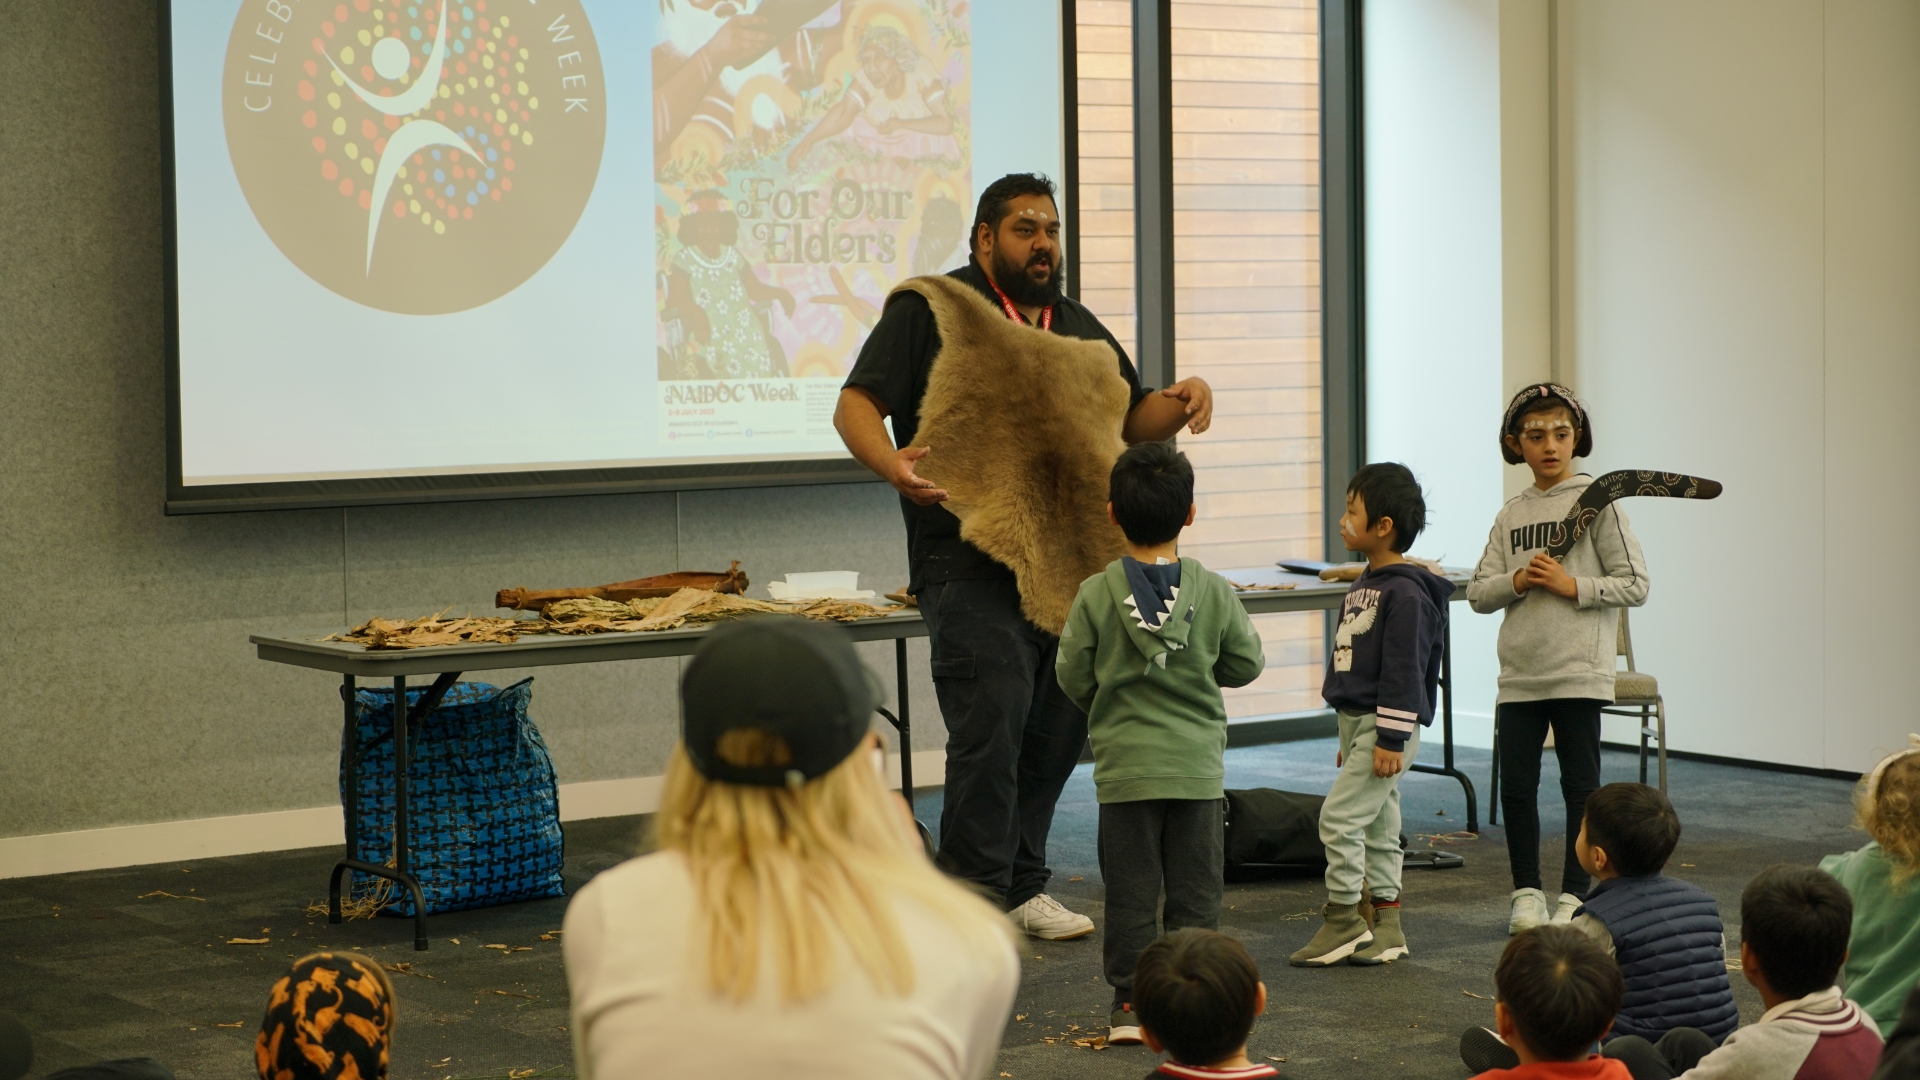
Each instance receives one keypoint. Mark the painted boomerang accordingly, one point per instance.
(1620, 485)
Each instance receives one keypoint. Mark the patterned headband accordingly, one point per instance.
(1873, 778)
(1544, 390)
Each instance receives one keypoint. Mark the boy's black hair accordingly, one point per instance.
(1635, 825)
(1196, 991)
(1389, 490)
(1798, 920)
(1151, 490)
(994, 201)
(1539, 398)
(1561, 989)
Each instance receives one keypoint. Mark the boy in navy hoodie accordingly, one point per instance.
(1381, 679)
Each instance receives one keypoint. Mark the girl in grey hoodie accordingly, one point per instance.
(1557, 643)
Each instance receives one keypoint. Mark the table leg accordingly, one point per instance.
(905, 723)
(402, 766)
(350, 798)
(1446, 728)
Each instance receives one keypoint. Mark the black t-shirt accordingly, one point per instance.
(893, 367)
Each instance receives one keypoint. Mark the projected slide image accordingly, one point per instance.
(808, 156)
(473, 240)
(397, 154)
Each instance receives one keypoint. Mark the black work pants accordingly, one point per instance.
(1677, 1051)
(1013, 736)
(1173, 845)
(1576, 742)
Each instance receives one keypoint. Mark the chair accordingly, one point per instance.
(1636, 693)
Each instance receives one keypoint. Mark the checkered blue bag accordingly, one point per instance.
(483, 806)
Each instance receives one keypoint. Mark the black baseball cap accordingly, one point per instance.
(796, 679)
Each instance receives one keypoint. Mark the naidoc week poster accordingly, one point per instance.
(808, 156)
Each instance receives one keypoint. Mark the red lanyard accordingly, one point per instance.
(1046, 313)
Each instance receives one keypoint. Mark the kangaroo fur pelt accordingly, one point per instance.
(1023, 427)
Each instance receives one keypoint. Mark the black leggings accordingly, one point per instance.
(1576, 742)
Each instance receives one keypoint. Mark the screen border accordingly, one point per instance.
(527, 484)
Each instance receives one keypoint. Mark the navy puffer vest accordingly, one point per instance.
(1669, 942)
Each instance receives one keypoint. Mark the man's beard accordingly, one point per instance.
(1018, 284)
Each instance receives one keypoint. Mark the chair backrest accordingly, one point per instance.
(1623, 640)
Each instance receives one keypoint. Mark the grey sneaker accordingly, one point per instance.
(1043, 917)
(1388, 943)
(1529, 910)
(1342, 933)
(1569, 904)
(1123, 1027)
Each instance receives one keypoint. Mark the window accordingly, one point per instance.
(1247, 280)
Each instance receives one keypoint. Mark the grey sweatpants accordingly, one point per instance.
(1360, 821)
(1145, 846)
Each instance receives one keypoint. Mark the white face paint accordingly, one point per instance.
(1552, 424)
(1037, 215)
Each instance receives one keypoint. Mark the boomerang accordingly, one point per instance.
(1621, 485)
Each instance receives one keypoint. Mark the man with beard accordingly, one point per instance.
(1013, 737)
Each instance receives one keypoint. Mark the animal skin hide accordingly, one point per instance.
(1024, 427)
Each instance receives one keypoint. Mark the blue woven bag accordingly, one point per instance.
(483, 806)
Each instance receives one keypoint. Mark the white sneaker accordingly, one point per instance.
(1043, 917)
(1529, 910)
(1569, 904)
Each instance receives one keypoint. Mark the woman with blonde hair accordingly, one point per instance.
(789, 922)
(1883, 952)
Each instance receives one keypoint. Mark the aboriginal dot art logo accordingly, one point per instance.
(420, 158)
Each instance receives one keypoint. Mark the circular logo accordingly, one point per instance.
(420, 158)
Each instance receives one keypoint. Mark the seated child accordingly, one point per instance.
(1793, 937)
(1197, 992)
(1665, 933)
(1146, 649)
(1884, 961)
(1555, 996)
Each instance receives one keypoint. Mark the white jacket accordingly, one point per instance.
(1552, 647)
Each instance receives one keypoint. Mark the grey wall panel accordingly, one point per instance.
(131, 694)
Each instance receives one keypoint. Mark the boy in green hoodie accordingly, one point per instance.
(1146, 649)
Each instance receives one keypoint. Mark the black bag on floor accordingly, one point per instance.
(1272, 833)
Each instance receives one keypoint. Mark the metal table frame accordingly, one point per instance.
(448, 662)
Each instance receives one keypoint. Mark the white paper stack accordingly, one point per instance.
(820, 585)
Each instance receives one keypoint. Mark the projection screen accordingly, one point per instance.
(496, 248)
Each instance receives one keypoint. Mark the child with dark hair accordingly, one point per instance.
(1198, 992)
(1555, 996)
(1381, 681)
(1793, 939)
(1557, 640)
(1665, 933)
(1884, 963)
(1148, 645)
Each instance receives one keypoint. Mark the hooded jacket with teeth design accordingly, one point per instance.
(1145, 652)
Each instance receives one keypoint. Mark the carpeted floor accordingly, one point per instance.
(105, 964)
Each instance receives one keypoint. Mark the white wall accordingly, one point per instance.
(1740, 302)
(1433, 279)
(1726, 202)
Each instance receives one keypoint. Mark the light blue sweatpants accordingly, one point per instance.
(1360, 821)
